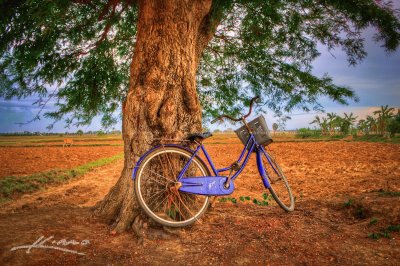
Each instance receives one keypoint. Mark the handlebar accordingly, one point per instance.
(252, 101)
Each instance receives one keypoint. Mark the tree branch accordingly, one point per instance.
(209, 25)
(106, 29)
(43, 105)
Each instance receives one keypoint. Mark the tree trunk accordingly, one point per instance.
(162, 100)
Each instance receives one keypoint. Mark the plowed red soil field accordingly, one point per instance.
(15, 161)
(344, 192)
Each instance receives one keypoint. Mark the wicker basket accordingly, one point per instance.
(260, 131)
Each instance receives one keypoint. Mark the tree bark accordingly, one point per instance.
(162, 100)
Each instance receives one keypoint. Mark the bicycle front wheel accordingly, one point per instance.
(157, 189)
(279, 186)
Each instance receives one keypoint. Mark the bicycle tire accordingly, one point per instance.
(281, 194)
(170, 216)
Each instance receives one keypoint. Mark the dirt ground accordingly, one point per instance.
(60, 143)
(16, 161)
(323, 229)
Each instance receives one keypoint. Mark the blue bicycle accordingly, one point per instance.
(173, 184)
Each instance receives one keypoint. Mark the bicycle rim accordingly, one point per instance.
(157, 192)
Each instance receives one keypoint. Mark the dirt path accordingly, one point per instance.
(82, 192)
(322, 230)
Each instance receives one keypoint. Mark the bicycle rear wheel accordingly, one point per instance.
(157, 189)
(279, 186)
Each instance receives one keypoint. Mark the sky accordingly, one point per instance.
(376, 81)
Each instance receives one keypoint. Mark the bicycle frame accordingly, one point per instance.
(251, 143)
(250, 146)
(214, 185)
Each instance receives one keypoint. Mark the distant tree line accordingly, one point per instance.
(79, 132)
(380, 122)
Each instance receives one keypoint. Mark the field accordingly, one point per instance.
(347, 208)
(57, 141)
(17, 161)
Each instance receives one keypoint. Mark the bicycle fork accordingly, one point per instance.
(261, 169)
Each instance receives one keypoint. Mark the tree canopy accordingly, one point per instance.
(79, 52)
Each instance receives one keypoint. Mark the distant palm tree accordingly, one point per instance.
(322, 124)
(347, 122)
(332, 122)
(339, 124)
(362, 126)
(384, 115)
(394, 124)
(317, 120)
(372, 124)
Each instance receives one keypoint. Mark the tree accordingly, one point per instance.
(362, 126)
(384, 115)
(317, 121)
(372, 124)
(275, 127)
(100, 133)
(333, 122)
(79, 132)
(394, 124)
(322, 124)
(146, 54)
(346, 122)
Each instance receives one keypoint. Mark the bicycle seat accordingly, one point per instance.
(199, 136)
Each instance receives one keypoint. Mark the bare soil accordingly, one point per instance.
(323, 229)
(17, 161)
(60, 143)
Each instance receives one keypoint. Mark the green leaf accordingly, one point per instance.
(54, 50)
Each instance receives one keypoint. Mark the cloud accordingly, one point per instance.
(376, 80)
(10, 117)
(26, 103)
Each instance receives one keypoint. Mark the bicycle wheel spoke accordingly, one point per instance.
(159, 204)
(179, 209)
(155, 201)
(161, 177)
(190, 199)
(167, 171)
(190, 212)
(170, 164)
(153, 196)
(162, 167)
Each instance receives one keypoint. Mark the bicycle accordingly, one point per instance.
(173, 184)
